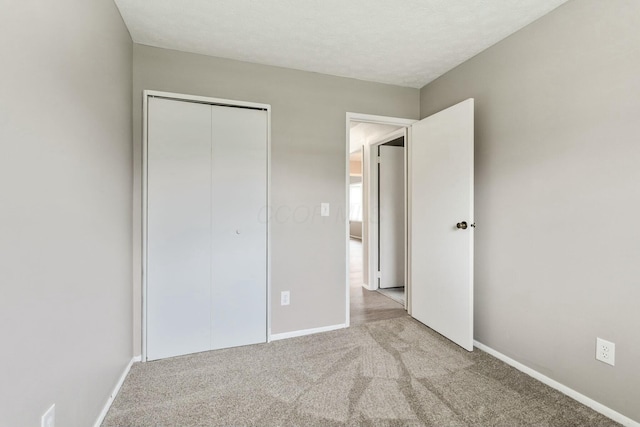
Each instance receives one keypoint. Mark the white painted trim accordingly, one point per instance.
(205, 99)
(293, 334)
(268, 224)
(587, 401)
(145, 129)
(146, 94)
(407, 290)
(347, 227)
(407, 286)
(383, 120)
(115, 391)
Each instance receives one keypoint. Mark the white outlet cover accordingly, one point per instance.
(49, 418)
(606, 351)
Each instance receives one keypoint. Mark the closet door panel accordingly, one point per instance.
(239, 247)
(178, 228)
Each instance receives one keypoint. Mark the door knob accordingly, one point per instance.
(463, 225)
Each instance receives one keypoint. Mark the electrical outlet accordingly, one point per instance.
(324, 209)
(284, 298)
(49, 417)
(605, 351)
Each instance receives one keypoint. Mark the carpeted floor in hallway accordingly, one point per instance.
(392, 372)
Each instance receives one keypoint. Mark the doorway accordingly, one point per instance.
(365, 135)
(439, 224)
(390, 216)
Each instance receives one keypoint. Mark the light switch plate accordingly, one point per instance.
(284, 298)
(324, 209)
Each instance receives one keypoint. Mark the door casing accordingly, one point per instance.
(367, 118)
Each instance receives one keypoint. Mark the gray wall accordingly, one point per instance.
(308, 166)
(355, 229)
(558, 194)
(65, 213)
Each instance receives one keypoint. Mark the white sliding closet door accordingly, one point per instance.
(206, 227)
(239, 261)
(178, 228)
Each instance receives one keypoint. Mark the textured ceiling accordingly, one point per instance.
(406, 43)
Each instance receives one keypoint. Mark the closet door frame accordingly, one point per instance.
(146, 95)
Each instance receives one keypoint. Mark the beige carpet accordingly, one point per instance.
(393, 372)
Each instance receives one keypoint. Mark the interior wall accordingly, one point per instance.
(355, 167)
(355, 176)
(557, 194)
(355, 229)
(65, 221)
(308, 167)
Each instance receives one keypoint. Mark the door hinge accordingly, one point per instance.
(379, 275)
(379, 160)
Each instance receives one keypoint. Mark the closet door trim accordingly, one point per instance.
(146, 95)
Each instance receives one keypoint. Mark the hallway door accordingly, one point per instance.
(391, 216)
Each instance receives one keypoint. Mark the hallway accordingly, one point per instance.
(367, 306)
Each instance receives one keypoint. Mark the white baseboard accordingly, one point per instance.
(115, 391)
(303, 332)
(587, 401)
(366, 286)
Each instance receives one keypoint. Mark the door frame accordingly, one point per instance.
(367, 118)
(146, 94)
(372, 188)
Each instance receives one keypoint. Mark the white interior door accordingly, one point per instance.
(441, 153)
(178, 295)
(239, 245)
(391, 216)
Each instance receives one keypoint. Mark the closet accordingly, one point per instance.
(205, 232)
